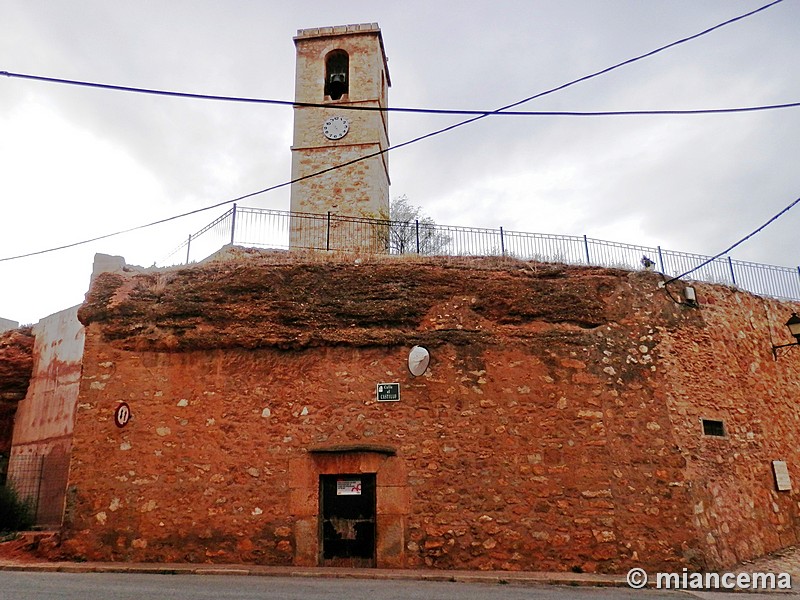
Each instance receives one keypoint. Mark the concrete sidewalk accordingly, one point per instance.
(784, 561)
(496, 577)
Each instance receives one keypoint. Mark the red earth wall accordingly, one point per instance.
(557, 427)
(16, 364)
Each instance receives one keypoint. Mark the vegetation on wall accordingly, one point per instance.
(16, 514)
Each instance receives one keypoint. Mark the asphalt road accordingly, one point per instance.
(115, 586)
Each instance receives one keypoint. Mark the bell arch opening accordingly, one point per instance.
(337, 74)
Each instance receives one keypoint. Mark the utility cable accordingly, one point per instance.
(416, 139)
(481, 114)
(397, 109)
(739, 243)
(120, 232)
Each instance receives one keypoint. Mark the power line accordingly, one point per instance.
(416, 139)
(739, 243)
(116, 233)
(398, 109)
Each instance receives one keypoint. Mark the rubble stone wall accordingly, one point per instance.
(557, 426)
(16, 365)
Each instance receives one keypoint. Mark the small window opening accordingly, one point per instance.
(713, 427)
(337, 76)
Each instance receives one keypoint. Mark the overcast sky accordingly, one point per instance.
(76, 163)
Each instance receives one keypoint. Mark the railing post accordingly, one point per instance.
(730, 266)
(416, 226)
(233, 223)
(188, 248)
(586, 248)
(502, 243)
(328, 233)
(661, 261)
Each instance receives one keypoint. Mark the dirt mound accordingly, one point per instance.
(254, 300)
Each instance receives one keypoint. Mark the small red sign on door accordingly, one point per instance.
(348, 487)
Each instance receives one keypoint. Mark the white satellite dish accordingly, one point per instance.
(418, 360)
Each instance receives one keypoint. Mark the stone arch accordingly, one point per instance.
(337, 74)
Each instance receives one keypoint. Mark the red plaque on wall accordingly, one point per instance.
(122, 414)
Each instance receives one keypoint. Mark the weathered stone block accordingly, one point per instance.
(393, 500)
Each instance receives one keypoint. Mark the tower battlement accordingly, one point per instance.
(337, 30)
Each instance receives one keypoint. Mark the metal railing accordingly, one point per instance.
(268, 228)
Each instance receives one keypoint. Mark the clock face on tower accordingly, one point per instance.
(336, 128)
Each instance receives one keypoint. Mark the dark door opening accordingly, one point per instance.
(347, 511)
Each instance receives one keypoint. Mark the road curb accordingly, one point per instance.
(491, 577)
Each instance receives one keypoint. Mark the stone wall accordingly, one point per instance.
(45, 417)
(556, 428)
(16, 364)
(7, 324)
(43, 423)
(724, 370)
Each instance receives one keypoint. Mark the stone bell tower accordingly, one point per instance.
(339, 67)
